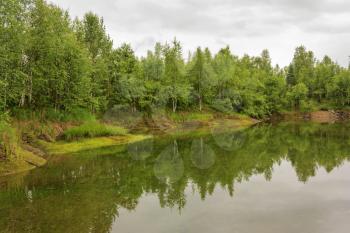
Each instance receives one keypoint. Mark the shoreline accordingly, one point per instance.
(29, 161)
(38, 153)
(321, 116)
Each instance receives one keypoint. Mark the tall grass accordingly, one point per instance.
(8, 141)
(92, 129)
(190, 116)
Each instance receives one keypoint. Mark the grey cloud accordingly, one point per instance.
(147, 42)
(142, 22)
(232, 18)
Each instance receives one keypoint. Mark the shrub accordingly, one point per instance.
(78, 115)
(122, 114)
(92, 129)
(50, 114)
(222, 105)
(308, 106)
(23, 114)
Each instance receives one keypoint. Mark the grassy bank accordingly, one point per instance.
(94, 135)
(67, 135)
(169, 123)
(24, 161)
(13, 157)
(92, 129)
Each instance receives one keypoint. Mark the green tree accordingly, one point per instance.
(297, 95)
(224, 67)
(176, 87)
(275, 91)
(202, 76)
(58, 65)
(123, 65)
(132, 89)
(14, 81)
(152, 75)
(339, 88)
(92, 32)
(324, 72)
(303, 68)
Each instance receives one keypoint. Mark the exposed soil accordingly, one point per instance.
(318, 116)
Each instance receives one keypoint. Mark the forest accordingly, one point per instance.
(50, 62)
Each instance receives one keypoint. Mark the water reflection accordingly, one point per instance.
(203, 157)
(141, 150)
(169, 166)
(85, 193)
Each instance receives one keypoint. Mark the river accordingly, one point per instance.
(270, 178)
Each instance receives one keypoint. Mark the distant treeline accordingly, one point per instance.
(49, 61)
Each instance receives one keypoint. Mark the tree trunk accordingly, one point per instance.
(200, 103)
(174, 105)
(5, 94)
(21, 102)
(30, 89)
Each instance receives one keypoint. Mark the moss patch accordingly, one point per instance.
(62, 147)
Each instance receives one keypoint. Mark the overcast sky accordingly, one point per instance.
(247, 26)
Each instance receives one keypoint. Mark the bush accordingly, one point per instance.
(50, 114)
(222, 105)
(308, 106)
(92, 129)
(23, 114)
(78, 115)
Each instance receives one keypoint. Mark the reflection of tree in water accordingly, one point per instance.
(141, 150)
(203, 157)
(86, 192)
(169, 166)
(228, 141)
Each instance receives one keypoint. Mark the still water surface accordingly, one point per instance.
(265, 179)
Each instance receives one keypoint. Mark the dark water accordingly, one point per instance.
(273, 179)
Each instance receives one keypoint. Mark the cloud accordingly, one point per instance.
(247, 25)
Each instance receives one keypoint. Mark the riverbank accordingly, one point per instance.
(26, 161)
(38, 141)
(182, 123)
(329, 116)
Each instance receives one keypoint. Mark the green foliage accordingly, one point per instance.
(92, 129)
(51, 66)
(309, 106)
(176, 88)
(50, 114)
(8, 140)
(222, 105)
(202, 77)
(92, 33)
(297, 95)
(339, 89)
(78, 115)
(304, 67)
(14, 38)
(193, 116)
